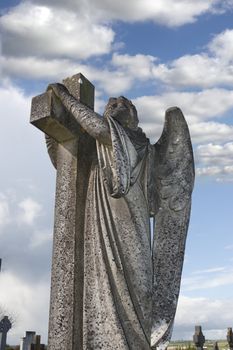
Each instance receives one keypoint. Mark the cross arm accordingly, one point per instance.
(49, 115)
(91, 122)
(61, 116)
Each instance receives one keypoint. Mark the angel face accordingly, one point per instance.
(122, 110)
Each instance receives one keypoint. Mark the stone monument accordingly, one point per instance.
(26, 341)
(31, 341)
(5, 326)
(111, 288)
(198, 338)
(230, 338)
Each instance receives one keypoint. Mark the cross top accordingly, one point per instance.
(5, 325)
(81, 88)
(198, 338)
(52, 118)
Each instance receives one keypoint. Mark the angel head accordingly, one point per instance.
(122, 110)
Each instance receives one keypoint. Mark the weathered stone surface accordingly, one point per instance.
(52, 118)
(62, 282)
(82, 89)
(72, 174)
(173, 181)
(110, 289)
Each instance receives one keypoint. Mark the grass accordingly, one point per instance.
(188, 345)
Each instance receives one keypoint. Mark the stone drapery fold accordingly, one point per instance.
(117, 254)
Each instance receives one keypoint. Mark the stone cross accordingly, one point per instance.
(5, 326)
(73, 161)
(198, 338)
(230, 338)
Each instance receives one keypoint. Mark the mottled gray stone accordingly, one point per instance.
(53, 119)
(63, 143)
(81, 89)
(110, 288)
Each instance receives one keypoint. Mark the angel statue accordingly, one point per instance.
(132, 269)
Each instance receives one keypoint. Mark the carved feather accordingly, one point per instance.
(52, 146)
(174, 179)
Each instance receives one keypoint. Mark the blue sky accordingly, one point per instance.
(159, 54)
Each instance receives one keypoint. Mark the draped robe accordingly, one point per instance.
(117, 293)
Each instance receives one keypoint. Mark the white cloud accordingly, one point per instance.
(30, 29)
(211, 132)
(204, 70)
(9, 93)
(210, 270)
(165, 12)
(213, 314)
(26, 211)
(216, 159)
(200, 70)
(44, 41)
(39, 238)
(39, 68)
(199, 282)
(23, 146)
(199, 109)
(113, 82)
(210, 68)
(17, 133)
(4, 210)
(222, 46)
(216, 154)
(215, 170)
(26, 303)
(209, 171)
(29, 211)
(138, 66)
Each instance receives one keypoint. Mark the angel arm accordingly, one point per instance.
(173, 161)
(90, 121)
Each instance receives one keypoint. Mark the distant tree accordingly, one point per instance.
(4, 312)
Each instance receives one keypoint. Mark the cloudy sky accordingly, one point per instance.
(159, 53)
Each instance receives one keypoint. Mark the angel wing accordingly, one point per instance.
(52, 147)
(173, 182)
